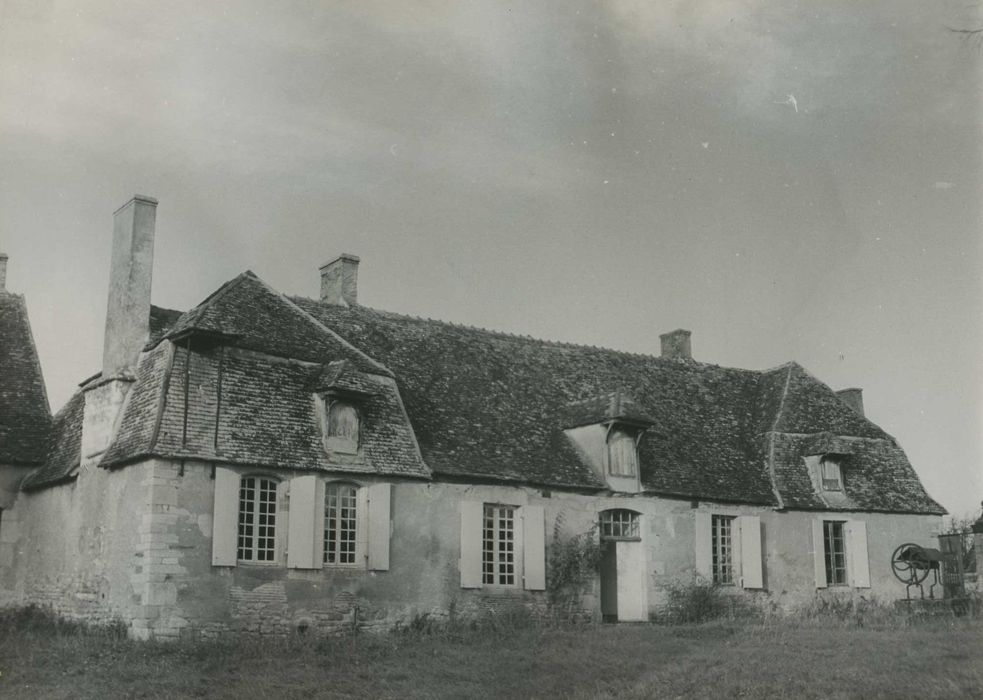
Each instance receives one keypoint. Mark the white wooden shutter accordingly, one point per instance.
(704, 544)
(362, 526)
(304, 523)
(751, 569)
(379, 529)
(470, 562)
(819, 553)
(856, 542)
(225, 517)
(534, 548)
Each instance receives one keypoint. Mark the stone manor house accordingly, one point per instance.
(268, 463)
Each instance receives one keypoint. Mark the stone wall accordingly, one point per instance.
(74, 547)
(135, 544)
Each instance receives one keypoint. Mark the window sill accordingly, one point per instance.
(500, 587)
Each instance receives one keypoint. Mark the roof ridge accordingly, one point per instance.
(781, 403)
(194, 314)
(518, 336)
(293, 305)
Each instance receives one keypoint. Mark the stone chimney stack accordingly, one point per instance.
(339, 281)
(854, 398)
(130, 273)
(676, 346)
(3, 272)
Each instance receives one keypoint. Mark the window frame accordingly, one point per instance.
(831, 484)
(836, 557)
(722, 551)
(491, 556)
(273, 550)
(618, 521)
(355, 521)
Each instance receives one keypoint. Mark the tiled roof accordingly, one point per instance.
(613, 406)
(25, 417)
(161, 322)
(876, 476)
(249, 397)
(488, 404)
(64, 455)
(261, 319)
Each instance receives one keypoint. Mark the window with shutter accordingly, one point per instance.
(257, 520)
(340, 523)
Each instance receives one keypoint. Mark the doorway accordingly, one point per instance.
(624, 593)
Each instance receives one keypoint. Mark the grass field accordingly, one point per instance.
(936, 658)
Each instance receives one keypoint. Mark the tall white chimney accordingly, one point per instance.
(131, 270)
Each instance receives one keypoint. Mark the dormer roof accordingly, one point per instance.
(612, 407)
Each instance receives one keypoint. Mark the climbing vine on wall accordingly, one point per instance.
(572, 564)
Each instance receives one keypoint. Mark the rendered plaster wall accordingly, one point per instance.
(423, 579)
(10, 478)
(74, 547)
(136, 544)
(185, 592)
(789, 569)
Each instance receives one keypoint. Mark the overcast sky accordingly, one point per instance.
(786, 180)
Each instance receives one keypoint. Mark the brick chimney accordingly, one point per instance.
(339, 281)
(3, 272)
(675, 345)
(853, 397)
(130, 272)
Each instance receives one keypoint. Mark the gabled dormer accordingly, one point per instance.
(827, 459)
(340, 392)
(606, 431)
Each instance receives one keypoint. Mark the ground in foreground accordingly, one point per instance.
(812, 659)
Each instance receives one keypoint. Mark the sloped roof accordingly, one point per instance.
(25, 417)
(264, 320)
(613, 406)
(876, 476)
(488, 404)
(484, 406)
(342, 377)
(65, 453)
(250, 396)
(161, 322)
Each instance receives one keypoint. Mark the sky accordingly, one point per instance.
(789, 181)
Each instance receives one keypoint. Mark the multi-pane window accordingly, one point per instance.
(498, 545)
(722, 527)
(340, 509)
(835, 550)
(619, 524)
(831, 476)
(257, 519)
(622, 453)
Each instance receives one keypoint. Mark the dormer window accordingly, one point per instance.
(622, 452)
(832, 477)
(341, 431)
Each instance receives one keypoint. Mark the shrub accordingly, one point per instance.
(698, 600)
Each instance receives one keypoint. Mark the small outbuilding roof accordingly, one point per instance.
(25, 417)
